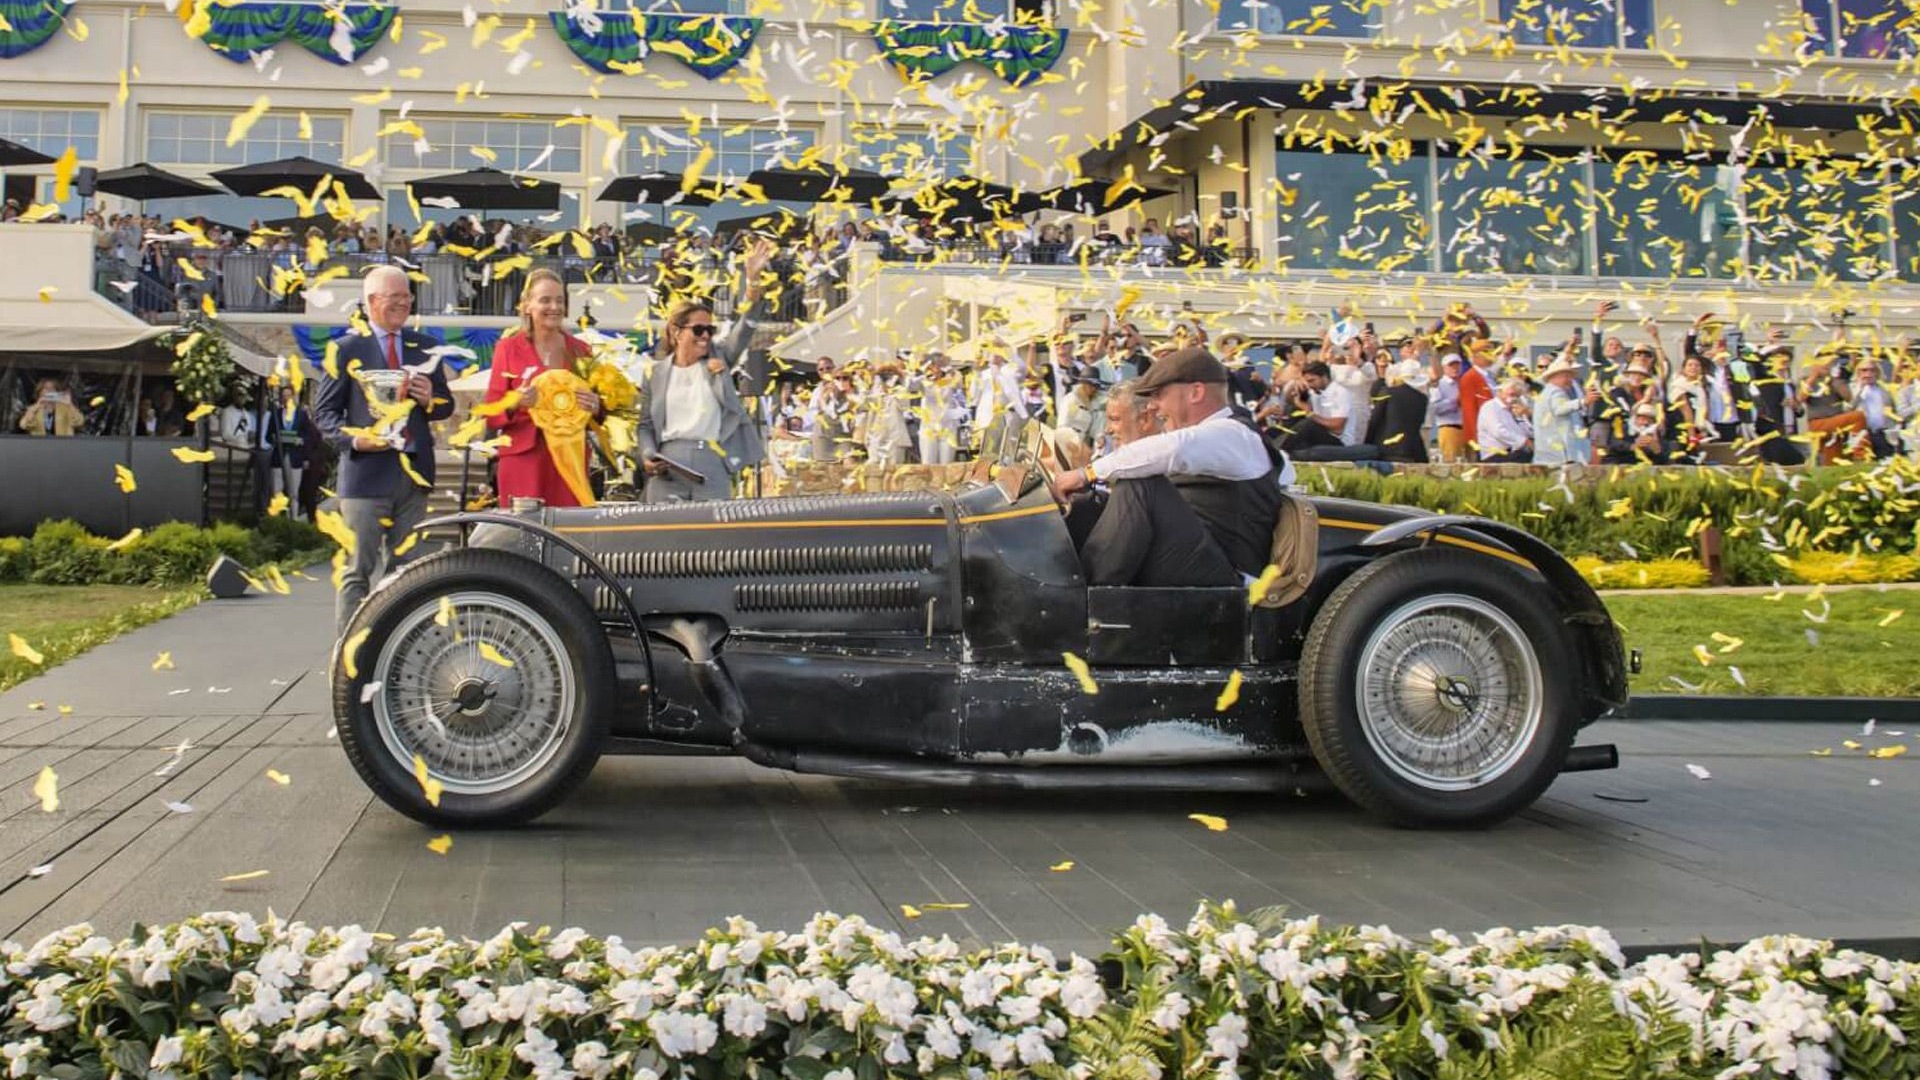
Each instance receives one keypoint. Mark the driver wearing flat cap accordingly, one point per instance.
(1215, 464)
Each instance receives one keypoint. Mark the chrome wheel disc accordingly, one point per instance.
(477, 686)
(1449, 692)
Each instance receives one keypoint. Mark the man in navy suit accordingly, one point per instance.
(380, 501)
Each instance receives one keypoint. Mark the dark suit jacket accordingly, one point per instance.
(341, 403)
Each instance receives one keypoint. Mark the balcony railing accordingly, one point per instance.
(1093, 254)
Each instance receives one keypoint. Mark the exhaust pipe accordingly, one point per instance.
(1591, 758)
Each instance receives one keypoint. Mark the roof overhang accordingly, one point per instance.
(1209, 100)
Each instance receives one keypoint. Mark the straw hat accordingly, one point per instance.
(1561, 366)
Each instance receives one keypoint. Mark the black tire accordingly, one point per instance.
(555, 698)
(1510, 671)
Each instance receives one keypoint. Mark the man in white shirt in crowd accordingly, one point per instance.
(1506, 427)
(996, 397)
(1219, 465)
(1331, 402)
(1875, 403)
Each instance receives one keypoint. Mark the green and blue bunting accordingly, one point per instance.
(30, 24)
(616, 42)
(927, 50)
(238, 30)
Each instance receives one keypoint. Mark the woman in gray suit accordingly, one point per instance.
(690, 412)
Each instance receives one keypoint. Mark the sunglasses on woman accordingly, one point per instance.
(700, 329)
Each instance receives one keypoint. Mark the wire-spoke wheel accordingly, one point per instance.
(1449, 692)
(1438, 687)
(487, 673)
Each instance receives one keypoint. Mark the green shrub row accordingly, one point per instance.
(1638, 514)
(64, 553)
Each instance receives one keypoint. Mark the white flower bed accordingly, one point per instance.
(1227, 996)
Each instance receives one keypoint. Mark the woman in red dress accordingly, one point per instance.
(525, 468)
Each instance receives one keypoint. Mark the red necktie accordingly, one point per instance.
(393, 353)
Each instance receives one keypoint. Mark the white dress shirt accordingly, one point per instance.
(1219, 446)
(692, 412)
(1336, 403)
(1500, 431)
(998, 389)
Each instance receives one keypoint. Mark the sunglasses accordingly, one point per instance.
(699, 329)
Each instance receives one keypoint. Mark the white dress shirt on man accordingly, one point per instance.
(1219, 446)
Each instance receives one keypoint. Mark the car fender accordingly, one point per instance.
(1603, 656)
(632, 614)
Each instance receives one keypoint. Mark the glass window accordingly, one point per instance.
(921, 155)
(1665, 218)
(1353, 210)
(193, 138)
(1504, 216)
(517, 145)
(1865, 29)
(737, 151)
(51, 131)
(952, 11)
(1590, 24)
(1827, 219)
(1305, 18)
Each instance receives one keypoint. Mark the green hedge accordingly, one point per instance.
(1227, 997)
(1640, 513)
(64, 553)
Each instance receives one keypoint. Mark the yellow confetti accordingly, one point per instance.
(1851, 744)
(1825, 751)
(1889, 751)
(909, 911)
(277, 505)
(1061, 867)
(46, 292)
(444, 618)
(946, 907)
(1081, 672)
(63, 169)
(350, 651)
(1891, 616)
(1213, 824)
(163, 662)
(279, 777)
(47, 789)
(1229, 695)
(690, 179)
(123, 476)
(36, 706)
(25, 651)
(200, 412)
(439, 845)
(66, 710)
(1728, 642)
(429, 786)
(492, 655)
(251, 875)
(244, 122)
(128, 540)
(189, 456)
(1258, 590)
(1701, 654)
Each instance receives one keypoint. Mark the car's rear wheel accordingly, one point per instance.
(1437, 689)
(479, 695)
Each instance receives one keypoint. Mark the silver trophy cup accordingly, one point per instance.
(385, 389)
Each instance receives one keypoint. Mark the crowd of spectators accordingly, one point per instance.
(1447, 391)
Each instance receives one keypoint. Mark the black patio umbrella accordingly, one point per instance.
(778, 221)
(300, 172)
(490, 189)
(966, 199)
(812, 185)
(1094, 197)
(655, 188)
(650, 232)
(144, 183)
(298, 226)
(12, 153)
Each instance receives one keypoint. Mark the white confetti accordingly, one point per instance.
(180, 807)
(41, 871)
(1737, 677)
(219, 689)
(1813, 637)
(182, 690)
(368, 691)
(1873, 783)
(333, 732)
(1866, 729)
(1699, 771)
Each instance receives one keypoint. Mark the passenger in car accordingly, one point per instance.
(1220, 466)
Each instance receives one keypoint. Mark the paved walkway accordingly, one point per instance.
(658, 849)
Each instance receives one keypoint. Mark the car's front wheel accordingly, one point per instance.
(1437, 689)
(473, 690)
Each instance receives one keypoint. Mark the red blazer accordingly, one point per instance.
(515, 363)
(1474, 392)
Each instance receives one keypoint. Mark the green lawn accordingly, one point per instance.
(63, 621)
(1850, 654)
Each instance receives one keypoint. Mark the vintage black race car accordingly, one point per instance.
(1436, 669)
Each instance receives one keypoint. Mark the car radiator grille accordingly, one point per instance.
(749, 562)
